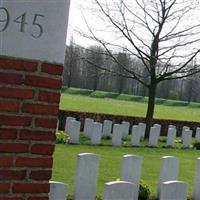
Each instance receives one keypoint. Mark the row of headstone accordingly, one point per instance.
(96, 131)
(128, 187)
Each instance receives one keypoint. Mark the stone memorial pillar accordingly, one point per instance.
(32, 52)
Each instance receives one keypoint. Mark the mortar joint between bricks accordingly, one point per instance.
(40, 129)
(50, 90)
(8, 141)
(16, 86)
(36, 102)
(18, 72)
(18, 132)
(20, 107)
(15, 127)
(32, 142)
(39, 67)
(9, 99)
(28, 172)
(30, 146)
(33, 126)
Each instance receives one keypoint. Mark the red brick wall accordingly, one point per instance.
(29, 103)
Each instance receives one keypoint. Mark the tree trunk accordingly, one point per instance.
(95, 85)
(69, 80)
(181, 91)
(121, 85)
(150, 109)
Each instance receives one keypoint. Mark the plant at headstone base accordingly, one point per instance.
(108, 138)
(144, 191)
(118, 179)
(61, 137)
(163, 140)
(189, 198)
(178, 141)
(196, 145)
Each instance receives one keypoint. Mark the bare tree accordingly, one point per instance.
(95, 55)
(163, 34)
(123, 58)
(70, 64)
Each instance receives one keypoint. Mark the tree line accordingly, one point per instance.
(84, 68)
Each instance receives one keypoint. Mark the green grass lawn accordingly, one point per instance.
(129, 108)
(65, 158)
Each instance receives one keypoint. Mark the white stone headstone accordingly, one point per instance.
(136, 136)
(142, 127)
(197, 135)
(37, 28)
(158, 129)
(125, 129)
(88, 127)
(119, 190)
(117, 135)
(131, 171)
(185, 128)
(96, 135)
(171, 137)
(173, 190)
(169, 170)
(86, 176)
(58, 191)
(107, 128)
(187, 138)
(171, 126)
(74, 131)
(196, 191)
(153, 137)
(67, 121)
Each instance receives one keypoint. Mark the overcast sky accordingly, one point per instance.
(77, 22)
(78, 9)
